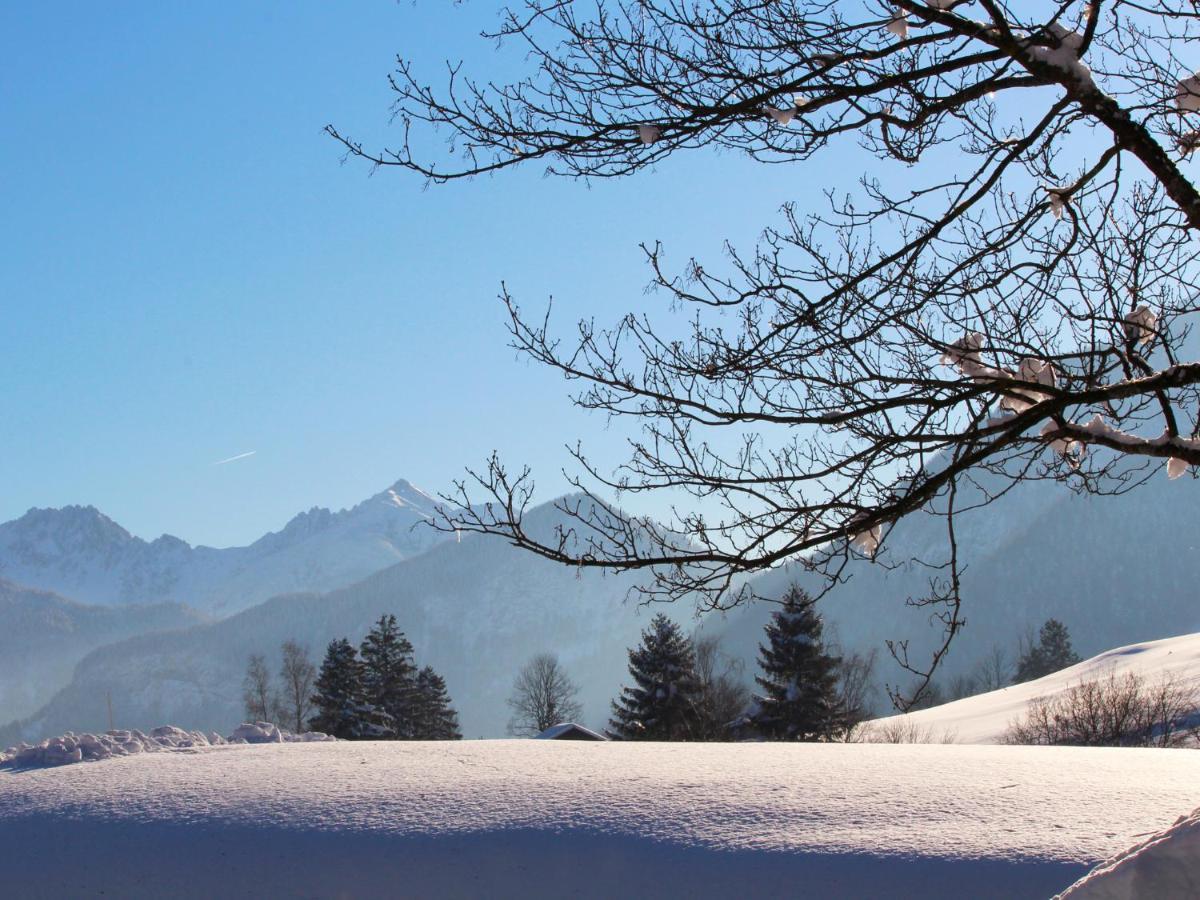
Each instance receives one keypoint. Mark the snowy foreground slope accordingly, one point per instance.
(984, 718)
(532, 818)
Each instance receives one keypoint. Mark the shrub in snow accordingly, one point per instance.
(662, 702)
(1116, 711)
(902, 730)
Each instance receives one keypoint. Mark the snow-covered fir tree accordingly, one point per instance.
(389, 676)
(434, 719)
(799, 680)
(338, 698)
(1052, 653)
(662, 702)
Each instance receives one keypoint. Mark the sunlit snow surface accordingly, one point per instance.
(1166, 864)
(540, 818)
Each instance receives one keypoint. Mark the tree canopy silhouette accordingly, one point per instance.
(1008, 288)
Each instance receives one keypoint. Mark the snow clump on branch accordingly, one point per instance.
(1140, 325)
(648, 134)
(1187, 94)
(1065, 55)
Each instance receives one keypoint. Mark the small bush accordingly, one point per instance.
(1113, 711)
(901, 730)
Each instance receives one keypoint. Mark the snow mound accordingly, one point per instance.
(73, 748)
(985, 718)
(1165, 865)
(268, 733)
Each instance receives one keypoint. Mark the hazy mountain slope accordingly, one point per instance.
(1116, 570)
(475, 610)
(80, 552)
(43, 636)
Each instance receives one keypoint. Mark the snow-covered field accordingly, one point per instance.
(985, 718)
(541, 818)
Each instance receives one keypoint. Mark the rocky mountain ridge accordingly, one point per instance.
(81, 553)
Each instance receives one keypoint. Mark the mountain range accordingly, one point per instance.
(80, 553)
(475, 610)
(1116, 570)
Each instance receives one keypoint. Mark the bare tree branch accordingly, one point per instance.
(1008, 291)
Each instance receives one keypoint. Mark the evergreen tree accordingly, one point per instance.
(799, 701)
(389, 677)
(663, 702)
(1052, 653)
(338, 698)
(434, 719)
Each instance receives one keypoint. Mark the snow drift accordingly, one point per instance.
(590, 819)
(1164, 865)
(985, 718)
(72, 748)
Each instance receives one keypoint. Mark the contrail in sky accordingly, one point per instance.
(221, 462)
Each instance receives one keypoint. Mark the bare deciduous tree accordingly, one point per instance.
(856, 685)
(994, 671)
(724, 696)
(261, 701)
(543, 695)
(991, 673)
(297, 673)
(1006, 291)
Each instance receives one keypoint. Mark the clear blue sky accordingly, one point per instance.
(188, 271)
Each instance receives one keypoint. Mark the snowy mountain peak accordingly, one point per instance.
(47, 537)
(80, 552)
(405, 494)
(299, 527)
(76, 523)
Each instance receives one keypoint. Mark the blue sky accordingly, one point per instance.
(189, 272)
